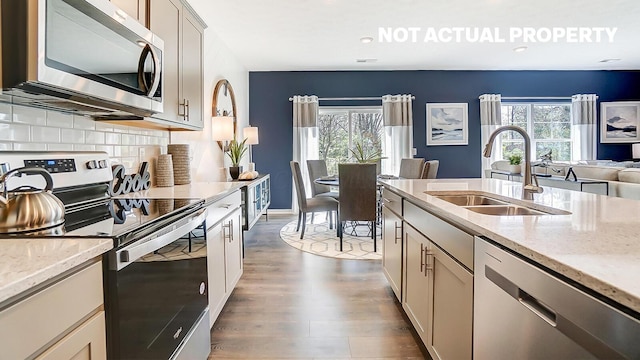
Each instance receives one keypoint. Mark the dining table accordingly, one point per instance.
(334, 180)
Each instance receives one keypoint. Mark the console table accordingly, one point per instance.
(256, 198)
(586, 185)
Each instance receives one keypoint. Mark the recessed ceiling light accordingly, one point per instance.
(520, 49)
(609, 60)
(366, 60)
(366, 39)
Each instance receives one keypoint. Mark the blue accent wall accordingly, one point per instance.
(271, 110)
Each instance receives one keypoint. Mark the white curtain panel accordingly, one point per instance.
(490, 120)
(584, 119)
(397, 142)
(305, 137)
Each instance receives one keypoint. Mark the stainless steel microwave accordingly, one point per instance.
(81, 56)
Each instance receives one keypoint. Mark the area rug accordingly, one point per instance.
(320, 240)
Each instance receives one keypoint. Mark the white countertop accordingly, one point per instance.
(597, 245)
(28, 262)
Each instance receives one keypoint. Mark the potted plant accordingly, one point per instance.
(367, 156)
(514, 163)
(236, 152)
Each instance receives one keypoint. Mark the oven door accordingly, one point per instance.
(157, 291)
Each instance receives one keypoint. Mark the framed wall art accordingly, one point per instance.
(619, 122)
(447, 124)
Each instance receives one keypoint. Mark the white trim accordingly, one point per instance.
(280, 211)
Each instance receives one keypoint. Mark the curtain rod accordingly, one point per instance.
(352, 98)
(536, 98)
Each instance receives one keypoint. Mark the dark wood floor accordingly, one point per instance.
(294, 305)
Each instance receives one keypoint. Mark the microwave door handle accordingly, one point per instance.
(157, 71)
(142, 80)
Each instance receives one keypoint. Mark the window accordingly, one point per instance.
(548, 126)
(339, 129)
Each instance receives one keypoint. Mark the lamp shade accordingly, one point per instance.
(222, 128)
(251, 134)
(635, 151)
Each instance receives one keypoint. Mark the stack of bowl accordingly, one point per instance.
(181, 155)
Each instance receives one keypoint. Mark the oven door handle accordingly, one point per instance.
(158, 240)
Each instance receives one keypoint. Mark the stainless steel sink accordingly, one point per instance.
(470, 200)
(505, 210)
(486, 204)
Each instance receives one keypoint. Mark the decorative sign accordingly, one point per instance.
(124, 184)
(120, 207)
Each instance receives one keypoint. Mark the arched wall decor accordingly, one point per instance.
(225, 85)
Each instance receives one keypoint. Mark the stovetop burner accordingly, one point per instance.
(120, 219)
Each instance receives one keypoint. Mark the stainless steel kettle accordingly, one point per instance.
(26, 208)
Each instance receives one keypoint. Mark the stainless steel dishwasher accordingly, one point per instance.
(524, 312)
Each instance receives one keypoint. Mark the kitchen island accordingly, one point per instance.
(596, 245)
(553, 277)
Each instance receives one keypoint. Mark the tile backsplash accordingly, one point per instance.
(26, 128)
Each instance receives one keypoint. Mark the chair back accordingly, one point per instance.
(430, 170)
(357, 192)
(299, 185)
(317, 169)
(411, 168)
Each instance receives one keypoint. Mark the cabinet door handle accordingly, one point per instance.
(429, 264)
(187, 110)
(421, 257)
(396, 232)
(231, 229)
(184, 109)
(224, 234)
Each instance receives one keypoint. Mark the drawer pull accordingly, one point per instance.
(421, 257)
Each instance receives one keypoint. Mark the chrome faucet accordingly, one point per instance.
(528, 187)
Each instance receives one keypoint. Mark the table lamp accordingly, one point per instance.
(222, 130)
(251, 134)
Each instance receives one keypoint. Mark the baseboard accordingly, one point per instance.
(280, 211)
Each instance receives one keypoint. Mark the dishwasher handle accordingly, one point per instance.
(574, 332)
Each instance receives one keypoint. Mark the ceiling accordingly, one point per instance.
(292, 35)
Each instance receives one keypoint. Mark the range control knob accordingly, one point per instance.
(102, 164)
(92, 164)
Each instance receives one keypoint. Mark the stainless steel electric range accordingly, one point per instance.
(155, 277)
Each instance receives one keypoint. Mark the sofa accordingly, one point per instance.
(623, 178)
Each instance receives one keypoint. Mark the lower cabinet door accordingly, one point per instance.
(392, 250)
(216, 270)
(233, 248)
(450, 304)
(415, 285)
(87, 342)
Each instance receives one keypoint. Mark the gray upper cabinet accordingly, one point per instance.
(137, 9)
(182, 31)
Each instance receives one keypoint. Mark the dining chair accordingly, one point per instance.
(318, 169)
(357, 196)
(315, 204)
(430, 170)
(411, 168)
